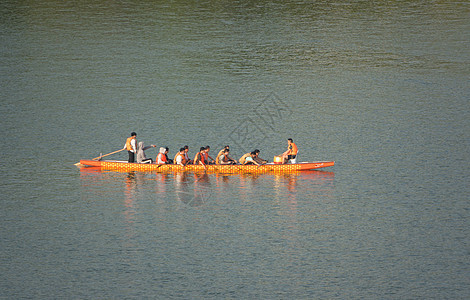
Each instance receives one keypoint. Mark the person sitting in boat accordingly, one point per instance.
(131, 146)
(250, 160)
(225, 159)
(207, 156)
(141, 158)
(291, 152)
(188, 161)
(221, 152)
(199, 157)
(180, 158)
(161, 157)
(169, 161)
(258, 159)
(243, 158)
(178, 153)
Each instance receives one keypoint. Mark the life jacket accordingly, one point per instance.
(292, 149)
(206, 157)
(199, 158)
(243, 158)
(162, 157)
(128, 143)
(174, 158)
(183, 158)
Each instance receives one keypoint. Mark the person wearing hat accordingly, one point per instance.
(162, 157)
(141, 158)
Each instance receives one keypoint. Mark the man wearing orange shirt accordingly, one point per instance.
(291, 152)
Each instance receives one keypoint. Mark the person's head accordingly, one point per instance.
(182, 150)
(253, 154)
(162, 150)
(186, 148)
(208, 148)
(256, 152)
(226, 151)
(133, 134)
(202, 149)
(140, 146)
(167, 149)
(227, 147)
(290, 141)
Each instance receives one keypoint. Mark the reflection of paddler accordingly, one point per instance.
(181, 177)
(201, 178)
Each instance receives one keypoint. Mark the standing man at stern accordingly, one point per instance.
(130, 146)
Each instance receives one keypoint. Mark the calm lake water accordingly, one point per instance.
(381, 87)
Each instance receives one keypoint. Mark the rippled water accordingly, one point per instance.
(380, 87)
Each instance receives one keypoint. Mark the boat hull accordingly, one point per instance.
(125, 166)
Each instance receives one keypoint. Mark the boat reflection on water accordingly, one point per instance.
(196, 188)
(295, 197)
(192, 189)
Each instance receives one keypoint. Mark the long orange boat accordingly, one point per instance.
(116, 165)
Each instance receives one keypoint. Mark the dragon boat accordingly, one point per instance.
(115, 165)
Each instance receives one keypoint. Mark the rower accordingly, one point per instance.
(207, 156)
(226, 160)
(180, 158)
(186, 156)
(168, 161)
(161, 157)
(199, 157)
(258, 159)
(221, 152)
(243, 158)
(250, 160)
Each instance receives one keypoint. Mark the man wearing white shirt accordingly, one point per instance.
(130, 145)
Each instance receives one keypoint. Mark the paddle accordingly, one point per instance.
(101, 156)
